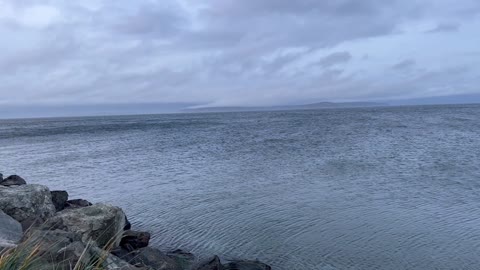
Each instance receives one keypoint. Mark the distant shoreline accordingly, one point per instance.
(183, 112)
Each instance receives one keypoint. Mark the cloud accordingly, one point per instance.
(228, 52)
(405, 64)
(334, 59)
(34, 16)
(445, 27)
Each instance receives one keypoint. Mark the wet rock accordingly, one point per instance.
(246, 265)
(26, 202)
(59, 199)
(13, 180)
(212, 264)
(128, 225)
(183, 259)
(101, 223)
(132, 240)
(77, 203)
(10, 231)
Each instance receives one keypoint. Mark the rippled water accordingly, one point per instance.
(377, 188)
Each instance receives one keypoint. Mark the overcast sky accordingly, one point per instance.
(236, 52)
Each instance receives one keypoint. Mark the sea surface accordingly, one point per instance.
(372, 188)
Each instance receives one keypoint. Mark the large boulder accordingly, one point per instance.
(26, 202)
(10, 231)
(246, 265)
(59, 199)
(13, 180)
(101, 223)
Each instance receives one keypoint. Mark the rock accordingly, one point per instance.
(212, 264)
(10, 231)
(72, 255)
(57, 249)
(121, 253)
(13, 180)
(246, 265)
(132, 240)
(150, 258)
(26, 202)
(59, 199)
(77, 203)
(50, 241)
(128, 225)
(101, 223)
(184, 259)
(1, 177)
(31, 222)
(112, 262)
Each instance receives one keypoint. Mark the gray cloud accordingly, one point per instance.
(445, 27)
(405, 64)
(335, 58)
(227, 52)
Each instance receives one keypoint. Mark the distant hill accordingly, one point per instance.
(312, 106)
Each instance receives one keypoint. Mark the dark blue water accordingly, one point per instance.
(376, 188)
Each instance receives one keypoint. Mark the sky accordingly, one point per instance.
(236, 52)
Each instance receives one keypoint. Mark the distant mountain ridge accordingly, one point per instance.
(312, 106)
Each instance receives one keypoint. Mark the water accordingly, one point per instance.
(376, 188)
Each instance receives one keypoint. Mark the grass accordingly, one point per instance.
(35, 253)
(26, 257)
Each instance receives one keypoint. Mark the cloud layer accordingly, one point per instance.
(229, 52)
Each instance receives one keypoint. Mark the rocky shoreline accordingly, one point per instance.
(68, 231)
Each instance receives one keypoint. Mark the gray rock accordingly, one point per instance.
(212, 264)
(101, 223)
(13, 180)
(77, 203)
(10, 231)
(31, 222)
(71, 255)
(132, 240)
(1, 177)
(184, 259)
(150, 258)
(49, 242)
(56, 249)
(246, 265)
(26, 202)
(59, 199)
(112, 262)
